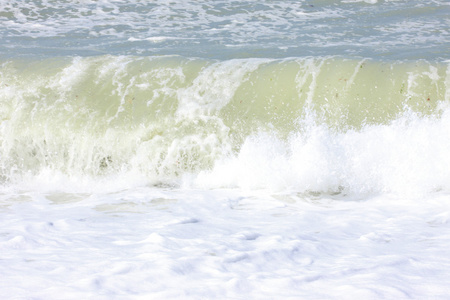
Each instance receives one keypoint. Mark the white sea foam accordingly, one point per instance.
(408, 156)
(215, 86)
(200, 27)
(247, 123)
(170, 243)
(302, 154)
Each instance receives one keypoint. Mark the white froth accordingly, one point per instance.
(131, 170)
(198, 27)
(214, 87)
(408, 156)
(191, 244)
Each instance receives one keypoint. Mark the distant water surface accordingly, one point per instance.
(227, 29)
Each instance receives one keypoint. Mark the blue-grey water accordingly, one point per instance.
(194, 149)
(227, 29)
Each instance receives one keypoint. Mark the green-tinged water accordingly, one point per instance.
(166, 116)
(199, 149)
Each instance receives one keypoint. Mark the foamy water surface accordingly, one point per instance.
(224, 150)
(220, 29)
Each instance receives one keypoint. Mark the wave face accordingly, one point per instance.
(323, 124)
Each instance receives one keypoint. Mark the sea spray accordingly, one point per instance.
(320, 124)
(195, 149)
(409, 155)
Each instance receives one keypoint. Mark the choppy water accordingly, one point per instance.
(211, 149)
(224, 29)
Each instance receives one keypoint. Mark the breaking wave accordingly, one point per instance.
(324, 124)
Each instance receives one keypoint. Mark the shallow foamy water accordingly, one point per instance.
(172, 243)
(224, 150)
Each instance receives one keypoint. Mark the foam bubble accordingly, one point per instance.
(407, 156)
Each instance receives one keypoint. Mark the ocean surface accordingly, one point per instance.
(224, 149)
